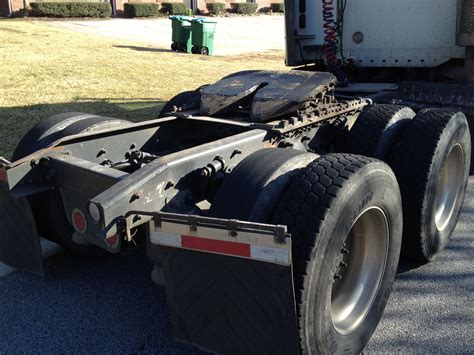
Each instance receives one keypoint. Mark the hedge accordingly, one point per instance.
(245, 8)
(43, 1)
(175, 8)
(141, 9)
(277, 7)
(71, 9)
(215, 8)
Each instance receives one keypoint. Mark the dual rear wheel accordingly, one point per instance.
(430, 153)
(343, 212)
(350, 216)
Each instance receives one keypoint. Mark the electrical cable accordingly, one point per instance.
(331, 40)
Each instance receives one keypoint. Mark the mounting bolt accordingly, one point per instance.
(205, 172)
(101, 152)
(235, 152)
(134, 197)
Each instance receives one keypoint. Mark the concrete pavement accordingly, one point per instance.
(234, 35)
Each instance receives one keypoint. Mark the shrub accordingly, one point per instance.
(141, 9)
(245, 8)
(277, 7)
(71, 9)
(69, 1)
(175, 8)
(20, 13)
(216, 8)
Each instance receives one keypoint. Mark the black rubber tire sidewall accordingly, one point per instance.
(374, 185)
(377, 130)
(51, 125)
(188, 99)
(422, 241)
(48, 207)
(337, 228)
(252, 190)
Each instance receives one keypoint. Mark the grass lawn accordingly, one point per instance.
(47, 71)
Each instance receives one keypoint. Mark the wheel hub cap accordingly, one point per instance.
(449, 185)
(360, 270)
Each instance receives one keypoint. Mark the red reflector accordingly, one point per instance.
(3, 175)
(113, 241)
(79, 221)
(216, 246)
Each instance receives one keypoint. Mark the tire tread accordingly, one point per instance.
(365, 135)
(305, 213)
(418, 149)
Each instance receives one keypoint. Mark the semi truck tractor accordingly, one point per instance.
(274, 205)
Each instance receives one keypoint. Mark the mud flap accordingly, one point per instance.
(19, 241)
(229, 283)
(230, 305)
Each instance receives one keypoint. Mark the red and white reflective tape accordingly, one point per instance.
(224, 247)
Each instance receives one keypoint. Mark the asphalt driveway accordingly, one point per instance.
(234, 35)
(112, 306)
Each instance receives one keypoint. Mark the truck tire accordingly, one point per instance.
(187, 100)
(432, 167)
(48, 207)
(377, 129)
(49, 126)
(344, 214)
(59, 126)
(253, 189)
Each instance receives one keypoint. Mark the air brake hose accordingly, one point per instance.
(331, 43)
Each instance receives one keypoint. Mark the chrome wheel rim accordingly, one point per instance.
(449, 185)
(360, 271)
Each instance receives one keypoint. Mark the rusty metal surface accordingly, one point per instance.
(166, 180)
(272, 93)
(96, 167)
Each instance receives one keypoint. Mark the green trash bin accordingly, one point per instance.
(203, 30)
(181, 33)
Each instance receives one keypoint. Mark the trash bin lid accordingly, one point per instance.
(204, 20)
(181, 18)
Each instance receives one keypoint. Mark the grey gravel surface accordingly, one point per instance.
(111, 305)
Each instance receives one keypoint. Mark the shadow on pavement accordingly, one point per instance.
(107, 305)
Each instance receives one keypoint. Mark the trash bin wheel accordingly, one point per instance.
(174, 46)
(204, 51)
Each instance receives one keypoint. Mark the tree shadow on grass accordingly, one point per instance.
(16, 121)
(145, 49)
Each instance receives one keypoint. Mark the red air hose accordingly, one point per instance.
(331, 42)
